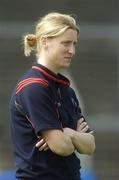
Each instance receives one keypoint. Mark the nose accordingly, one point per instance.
(72, 49)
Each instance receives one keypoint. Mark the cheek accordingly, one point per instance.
(58, 51)
(62, 50)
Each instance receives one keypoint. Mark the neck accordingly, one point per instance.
(48, 65)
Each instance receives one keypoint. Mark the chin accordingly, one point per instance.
(66, 65)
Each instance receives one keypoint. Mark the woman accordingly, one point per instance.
(47, 126)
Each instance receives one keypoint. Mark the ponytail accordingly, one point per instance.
(30, 42)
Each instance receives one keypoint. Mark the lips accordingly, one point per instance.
(68, 57)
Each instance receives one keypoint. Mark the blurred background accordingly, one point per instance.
(94, 69)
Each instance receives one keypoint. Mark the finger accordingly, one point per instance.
(39, 137)
(85, 128)
(43, 147)
(83, 125)
(80, 120)
(91, 132)
(40, 143)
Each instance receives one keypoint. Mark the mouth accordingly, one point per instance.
(68, 58)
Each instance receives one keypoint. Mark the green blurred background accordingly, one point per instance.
(95, 70)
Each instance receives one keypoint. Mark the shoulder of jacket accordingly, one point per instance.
(29, 81)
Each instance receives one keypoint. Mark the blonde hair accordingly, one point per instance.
(51, 25)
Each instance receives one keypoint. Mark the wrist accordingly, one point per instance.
(72, 134)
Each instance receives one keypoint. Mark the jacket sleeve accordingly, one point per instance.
(39, 107)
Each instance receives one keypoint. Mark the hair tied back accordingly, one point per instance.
(30, 42)
(31, 39)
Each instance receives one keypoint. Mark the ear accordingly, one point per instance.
(44, 41)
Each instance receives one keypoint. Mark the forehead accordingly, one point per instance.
(69, 34)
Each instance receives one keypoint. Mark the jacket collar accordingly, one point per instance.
(59, 78)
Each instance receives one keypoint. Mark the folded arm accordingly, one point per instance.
(67, 141)
(83, 142)
(58, 142)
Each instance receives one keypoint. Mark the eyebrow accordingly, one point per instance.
(69, 41)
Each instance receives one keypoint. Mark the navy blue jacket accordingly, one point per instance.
(42, 100)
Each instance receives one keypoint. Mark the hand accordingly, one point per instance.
(42, 145)
(82, 126)
(68, 131)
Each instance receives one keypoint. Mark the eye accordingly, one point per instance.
(69, 43)
(66, 43)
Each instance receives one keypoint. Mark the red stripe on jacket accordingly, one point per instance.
(28, 81)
